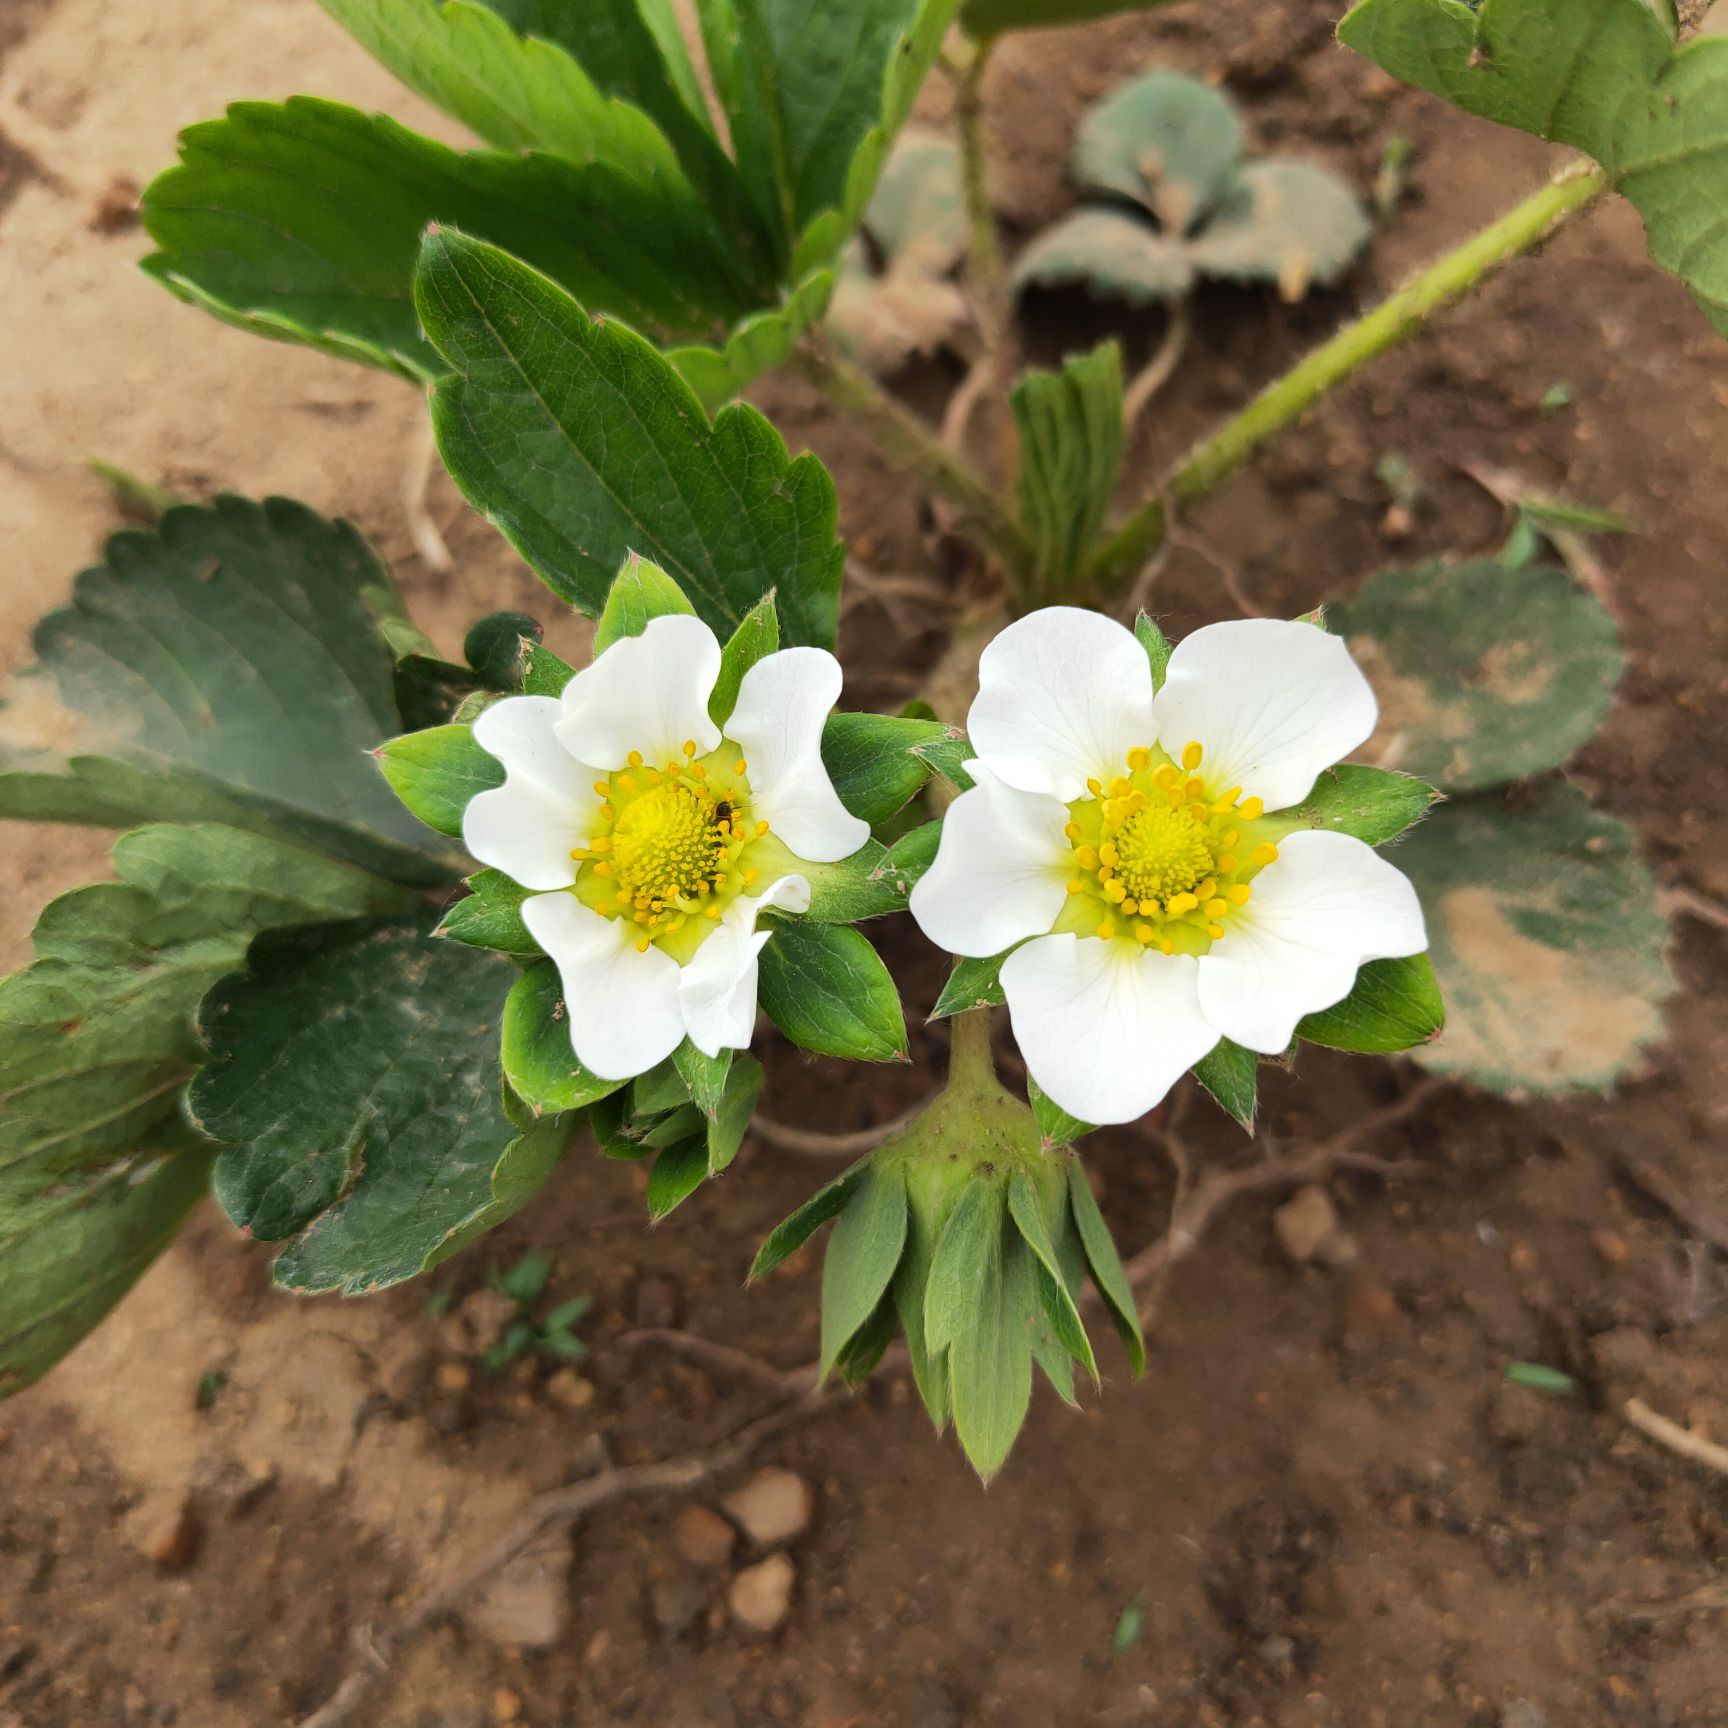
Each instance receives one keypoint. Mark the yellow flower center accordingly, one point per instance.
(672, 849)
(1162, 856)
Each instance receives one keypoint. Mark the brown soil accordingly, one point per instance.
(1324, 1500)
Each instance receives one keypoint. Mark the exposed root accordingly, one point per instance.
(1158, 371)
(416, 479)
(1229, 577)
(909, 601)
(1681, 1441)
(727, 1358)
(1695, 905)
(807, 1143)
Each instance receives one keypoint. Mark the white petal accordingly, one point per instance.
(1063, 696)
(1326, 905)
(1000, 872)
(547, 805)
(622, 1005)
(782, 702)
(1270, 703)
(1106, 1028)
(521, 731)
(647, 693)
(717, 989)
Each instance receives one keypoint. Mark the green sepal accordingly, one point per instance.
(704, 1077)
(990, 1360)
(868, 1345)
(863, 1253)
(678, 1172)
(972, 984)
(1230, 1075)
(640, 592)
(729, 1123)
(1056, 1126)
(827, 989)
(538, 1059)
(1372, 804)
(1394, 1005)
(874, 881)
(1157, 645)
(972, 1235)
(1026, 1209)
(755, 639)
(879, 763)
(490, 916)
(792, 1232)
(544, 674)
(1105, 1265)
(436, 772)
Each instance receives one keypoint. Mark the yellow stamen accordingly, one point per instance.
(1240, 895)
(1191, 754)
(1263, 854)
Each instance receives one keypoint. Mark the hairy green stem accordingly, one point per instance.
(1395, 318)
(970, 1064)
(912, 445)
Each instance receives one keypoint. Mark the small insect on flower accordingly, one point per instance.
(1127, 847)
(655, 837)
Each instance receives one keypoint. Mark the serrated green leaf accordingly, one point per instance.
(826, 988)
(794, 1231)
(755, 639)
(1230, 1075)
(226, 666)
(990, 1361)
(640, 591)
(1111, 253)
(1166, 142)
(1606, 78)
(437, 771)
(1105, 1265)
(1372, 804)
(730, 1122)
(537, 1055)
(523, 1170)
(971, 1238)
(863, 1253)
(1055, 1125)
(874, 760)
(972, 984)
(1294, 224)
(301, 221)
(1546, 938)
(582, 444)
(1071, 439)
(1157, 646)
(1053, 1294)
(1484, 674)
(490, 916)
(1393, 1005)
(755, 345)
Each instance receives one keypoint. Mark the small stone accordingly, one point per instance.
(774, 1506)
(453, 1377)
(704, 1538)
(486, 1313)
(506, 1704)
(171, 1541)
(1521, 1713)
(1610, 1247)
(1304, 1223)
(526, 1605)
(658, 1302)
(568, 1388)
(761, 1595)
(676, 1605)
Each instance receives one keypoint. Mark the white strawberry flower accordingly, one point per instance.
(655, 836)
(1132, 837)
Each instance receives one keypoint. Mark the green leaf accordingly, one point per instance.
(1230, 1075)
(639, 592)
(354, 1080)
(1373, 804)
(862, 1255)
(972, 984)
(1106, 1265)
(1166, 142)
(990, 1361)
(755, 639)
(874, 881)
(971, 1238)
(728, 1124)
(911, 1283)
(437, 771)
(1484, 674)
(497, 647)
(755, 345)
(538, 1058)
(1157, 646)
(1294, 224)
(1606, 78)
(527, 1162)
(545, 674)
(525, 1282)
(1055, 1126)
(1393, 1005)
(301, 221)
(1070, 454)
(868, 1345)
(704, 1077)
(584, 444)
(917, 214)
(878, 763)
(793, 1232)
(1053, 1293)
(490, 916)
(826, 988)
(225, 666)
(1546, 938)
(678, 1172)
(1110, 252)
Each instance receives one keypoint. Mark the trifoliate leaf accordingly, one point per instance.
(1111, 253)
(1484, 674)
(1393, 1005)
(1546, 938)
(584, 444)
(227, 666)
(1290, 223)
(862, 1255)
(826, 988)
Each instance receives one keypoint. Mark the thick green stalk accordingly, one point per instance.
(1400, 315)
(912, 445)
(971, 1068)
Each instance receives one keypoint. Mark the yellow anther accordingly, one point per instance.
(740, 766)
(1196, 790)
(674, 768)
(1263, 854)
(1167, 946)
(761, 829)
(1076, 886)
(1215, 909)
(1095, 787)
(713, 911)
(689, 746)
(1180, 903)
(608, 813)
(634, 758)
(1106, 929)
(1199, 812)
(623, 896)
(1143, 932)
(1107, 854)
(1139, 758)
(1208, 888)
(1115, 892)
(1129, 908)
(602, 869)
(1120, 787)
(602, 789)
(750, 876)
(1231, 838)
(1072, 831)
(1214, 931)
(641, 944)
(1252, 809)
(697, 771)
(1240, 895)
(1166, 777)
(1191, 754)
(1086, 858)
(627, 782)
(1227, 864)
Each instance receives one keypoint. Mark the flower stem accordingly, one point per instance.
(971, 1067)
(907, 441)
(1400, 315)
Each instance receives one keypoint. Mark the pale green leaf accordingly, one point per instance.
(1164, 141)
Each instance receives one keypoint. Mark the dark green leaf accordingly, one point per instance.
(793, 1232)
(972, 984)
(1485, 674)
(875, 761)
(639, 592)
(826, 988)
(491, 916)
(1394, 1005)
(862, 1255)
(539, 1060)
(727, 1126)
(429, 690)
(1106, 1265)
(520, 1174)
(1229, 1074)
(755, 345)
(226, 666)
(583, 444)
(437, 771)
(868, 1345)
(678, 1172)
